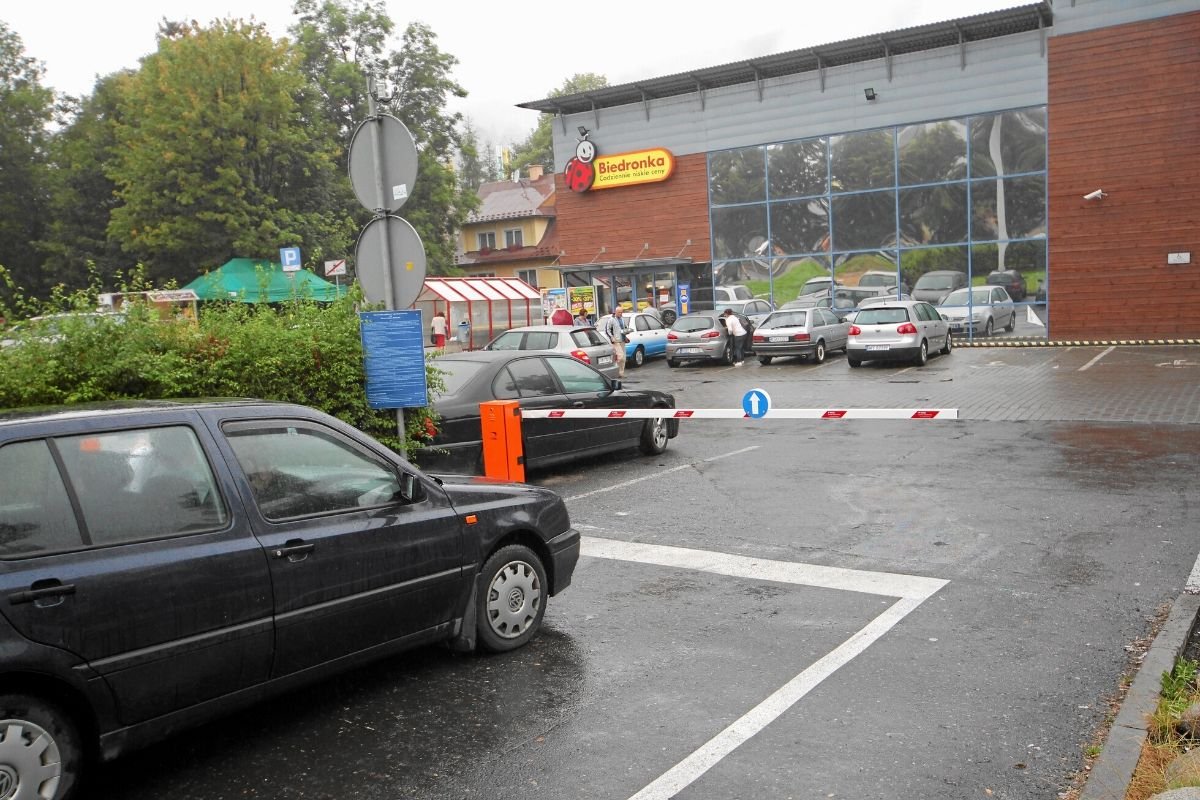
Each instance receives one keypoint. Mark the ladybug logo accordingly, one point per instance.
(580, 172)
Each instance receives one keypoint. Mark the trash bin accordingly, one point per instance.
(464, 334)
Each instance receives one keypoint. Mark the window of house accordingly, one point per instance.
(487, 241)
(529, 276)
(513, 238)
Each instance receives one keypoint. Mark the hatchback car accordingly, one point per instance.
(539, 381)
(703, 337)
(882, 279)
(1012, 281)
(933, 286)
(800, 332)
(647, 336)
(979, 310)
(821, 283)
(901, 330)
(582, 342)
(753, 310)
(167, 562)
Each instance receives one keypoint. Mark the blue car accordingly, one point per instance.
(647, 337)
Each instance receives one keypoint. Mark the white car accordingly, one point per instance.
(979, 310)
(902, 330)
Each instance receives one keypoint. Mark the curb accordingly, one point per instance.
(1073, 342)
(1113, 769)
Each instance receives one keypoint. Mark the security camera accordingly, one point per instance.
(1099, 194)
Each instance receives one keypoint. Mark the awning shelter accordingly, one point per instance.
(251, 280)
(487, 306)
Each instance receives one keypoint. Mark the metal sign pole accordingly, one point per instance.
(381, 206)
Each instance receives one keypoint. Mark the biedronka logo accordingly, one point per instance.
(587, 171)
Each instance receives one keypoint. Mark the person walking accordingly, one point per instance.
(438, 329)
(737, 331)
(614, 329)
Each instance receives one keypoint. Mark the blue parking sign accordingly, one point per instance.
(289, 257)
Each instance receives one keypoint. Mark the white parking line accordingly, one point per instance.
(656, 475)
(1097, 358)
(1193, 582)
(911, 589)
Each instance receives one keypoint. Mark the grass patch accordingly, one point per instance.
(1164, 741)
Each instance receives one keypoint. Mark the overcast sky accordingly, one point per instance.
(508, 53)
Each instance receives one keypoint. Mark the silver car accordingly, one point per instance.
(584, 343)
(700, 337)
(800, 332)
(901, 330)
(979, 310)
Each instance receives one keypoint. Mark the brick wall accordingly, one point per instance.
(665, 215)
(1124, 116)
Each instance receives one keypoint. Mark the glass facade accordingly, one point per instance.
(966, 195)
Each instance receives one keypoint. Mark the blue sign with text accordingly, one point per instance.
(394, 356)
(289, 258)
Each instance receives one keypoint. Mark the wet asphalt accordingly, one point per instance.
(1059, 509)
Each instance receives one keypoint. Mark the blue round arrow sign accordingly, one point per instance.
(756, 403)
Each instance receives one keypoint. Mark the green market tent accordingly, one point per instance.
(255, 281)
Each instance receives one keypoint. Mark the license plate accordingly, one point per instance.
(689, 351)
(956, 328)
(875, 347)
(778, 339)
(605, 359)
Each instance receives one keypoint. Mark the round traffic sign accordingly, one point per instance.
(756, 403)
(398, 159)
(407, 267)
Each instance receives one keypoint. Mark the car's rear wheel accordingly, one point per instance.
(949, 344)
(819, 353)
(923, 354)
(987, 327)
(1012, 322)
(727, 356)
(639, 356)
(512, 598)
(41, 753)
(654, 436)
(672, 363)
(765, 360)
(853, 362)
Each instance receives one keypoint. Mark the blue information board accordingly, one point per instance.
(394, 352)
(683, 296)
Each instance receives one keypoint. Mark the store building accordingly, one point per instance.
(1060, 140)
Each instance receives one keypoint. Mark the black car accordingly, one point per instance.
(539, 381)
(167, 562)
(1012, 280)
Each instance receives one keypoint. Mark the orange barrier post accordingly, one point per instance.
(503, 455)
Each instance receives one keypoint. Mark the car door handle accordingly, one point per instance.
(56, 590)
(294, 550)
(577, 404)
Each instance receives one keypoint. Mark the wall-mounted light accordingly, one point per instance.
(582, 131)
(869, 93)
(1099, 194)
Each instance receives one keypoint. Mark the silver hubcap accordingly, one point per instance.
(30, 764)
(659, 432)
(513, 600)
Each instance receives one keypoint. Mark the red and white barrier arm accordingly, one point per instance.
(737, 413)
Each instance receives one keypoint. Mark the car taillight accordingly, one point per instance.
(907, 327)
(758, 338)
(672, 336)
(710, 334)
(855, 330)
(582, 356)
(799, 337)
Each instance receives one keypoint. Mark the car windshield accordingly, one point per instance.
(692, 324)
(1000, 279)
(814, 286)
(457, 374)
(881, 316)
(786, 319)
(509, 340)
(962, 297)
(936, 282)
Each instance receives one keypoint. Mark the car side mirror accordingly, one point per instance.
(615, 383)
(411, 488)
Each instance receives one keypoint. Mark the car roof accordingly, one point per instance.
(944, 272)
(571, 327)
(118, 408)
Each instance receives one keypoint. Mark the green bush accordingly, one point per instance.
(299, 352)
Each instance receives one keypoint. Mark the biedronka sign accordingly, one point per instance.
(590, 171)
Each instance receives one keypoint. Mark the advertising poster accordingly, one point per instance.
(583, 298)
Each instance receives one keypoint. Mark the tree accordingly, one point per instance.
(538, 147)
(26, 108)
(216, 154)
(476, 162)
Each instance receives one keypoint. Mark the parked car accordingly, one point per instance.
(979, 310)
(1012, 281)
(848, 298)
(933, 286)
(584, 343)
(703, 337)
(647, 336)
(166, 562)
(821, 298)
(539, 381)
(800, 332)
(821, 283)
(731, 293)
(886, 279)
(901, 330)
(753, 310)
